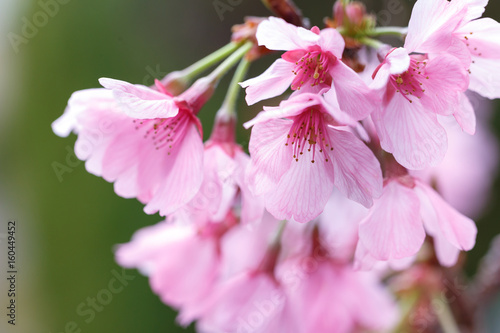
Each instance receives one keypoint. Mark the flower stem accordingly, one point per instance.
(407, 306)
(200, 66)
(228, 108)
(445, 317)
(276, 241)
(223, 68)
(373, 43)
(383, 31)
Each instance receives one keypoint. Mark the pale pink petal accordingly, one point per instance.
(141, 102)
(393, 230)
(276, 34)
(457, 229)
(380, 311)
(160, 251)
(311, 293)
(484, 79)
(218, 190)
(357, 172)
(331, 40)
(142, 252)
(270, 157)
(353, 95)
(475, 8)
(252, 208)
(234, 303)
(483, 43)
(446, 78)
(184, 176)
(339, 225)
(465, 115)
(77, 104)
(459, 50)
(431, 25)
(413, 135)
(364, 261)
(302, 191)
(99, 124)
(294, 106)
(179, 283)
(399, 60)
(273, 82)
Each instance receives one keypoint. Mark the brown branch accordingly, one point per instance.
(285, 9)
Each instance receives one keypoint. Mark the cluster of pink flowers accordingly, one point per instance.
(344, 181)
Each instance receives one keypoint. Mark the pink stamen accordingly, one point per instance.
(309, 130)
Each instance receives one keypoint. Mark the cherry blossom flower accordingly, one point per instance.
(416, 89)
(298, 157)
(312, 63)
(398, 222)
(467, 188)
(361, 301)
(457, 28)
(146, 141)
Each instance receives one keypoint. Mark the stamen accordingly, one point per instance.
(164, 132)
(310, 130)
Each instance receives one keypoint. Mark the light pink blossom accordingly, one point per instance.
(467, 187)
(298, 157)
(160, 252)
(330, 297)
(416, 89)
(398, 222)
(146, 141)
(456, 27)
(312, 63)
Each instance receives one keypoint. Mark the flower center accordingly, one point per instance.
(309, 132)
(164, 132)
(410, 83)
(312, 69)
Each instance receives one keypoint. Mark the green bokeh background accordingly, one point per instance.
(67, 228)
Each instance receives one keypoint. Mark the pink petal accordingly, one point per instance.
(353, 95)
(475, 8)
(447, 77)
(484, 79)
(331, 40)
(78, 103)
(302, 191)
(276, 34)
(273, 82)
(294, 106)
(393, 230)
(141, 102)
(413, 135)
(431, 25)
(483, 43)
(465, 115)
(270, 159)
(184, 176)
(357, 172)
(457, 229)
(252, 208)
(399, 60)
